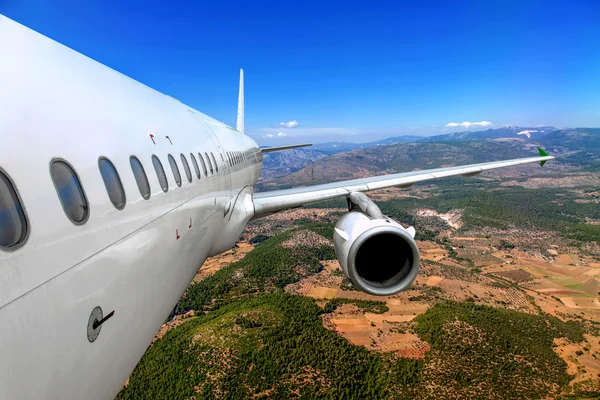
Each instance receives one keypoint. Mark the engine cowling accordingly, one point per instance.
(378, 255)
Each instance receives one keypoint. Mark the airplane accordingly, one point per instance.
(112, 195)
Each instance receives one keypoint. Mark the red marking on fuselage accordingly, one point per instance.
(190, 222)
(152, 137)
(169, 140)
(177, 233)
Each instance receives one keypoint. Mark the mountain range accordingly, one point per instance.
(578, 147)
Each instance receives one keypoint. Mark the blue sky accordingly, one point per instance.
(347, 71)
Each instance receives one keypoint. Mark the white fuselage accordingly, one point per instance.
(58, 104)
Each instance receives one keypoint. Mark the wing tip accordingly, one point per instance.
(543, 154)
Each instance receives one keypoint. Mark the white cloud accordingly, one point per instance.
(468, 124)
(297, 132)
(291, 124)
(277, 135)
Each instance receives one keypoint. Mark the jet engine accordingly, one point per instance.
(377, 254)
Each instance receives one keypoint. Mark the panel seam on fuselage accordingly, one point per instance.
(96, 253)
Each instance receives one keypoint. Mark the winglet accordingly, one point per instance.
(293, 146)
(543, 154)
(240, 115)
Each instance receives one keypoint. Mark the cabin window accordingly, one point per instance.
(160, 174)
(214, 161)
(203, 164)
(113, 184)
(70, 192)
(195, 164)
(140, 177)
(13, 224)
(186, 168)
(209, 164)
(175, 170)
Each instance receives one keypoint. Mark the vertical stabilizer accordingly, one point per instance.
(240, 117)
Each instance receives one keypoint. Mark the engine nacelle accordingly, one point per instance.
(378, 255)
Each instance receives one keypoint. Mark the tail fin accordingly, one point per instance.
(240, 115)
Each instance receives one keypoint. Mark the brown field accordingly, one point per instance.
(320, 292)
(516, 275)
(565, 259)
(213, 264)
(585, 365)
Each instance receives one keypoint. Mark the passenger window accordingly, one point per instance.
(203, 164)
(13, 224)
(214, 161)
(209, 164)
(69, 191)
(140, 177)
(175, 170)
(195, 163)
(186, 168)
(114, 188)
(160, 174)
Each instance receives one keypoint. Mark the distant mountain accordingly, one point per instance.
(574, 139)
(579, 147)
(338, 147)
(504, 132)
(285, 162)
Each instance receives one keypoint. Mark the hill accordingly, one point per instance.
(573, 139)
(580, 147)
(400, 157)
(286, 162)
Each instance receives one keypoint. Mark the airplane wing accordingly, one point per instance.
(280, 148)
(266, 203)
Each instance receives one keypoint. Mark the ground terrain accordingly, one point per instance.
(505, 305)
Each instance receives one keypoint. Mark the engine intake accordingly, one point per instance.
(378, 255)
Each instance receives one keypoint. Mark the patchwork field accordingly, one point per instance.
(511, 271)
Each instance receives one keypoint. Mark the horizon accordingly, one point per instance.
(327, 72)
(363, 139)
